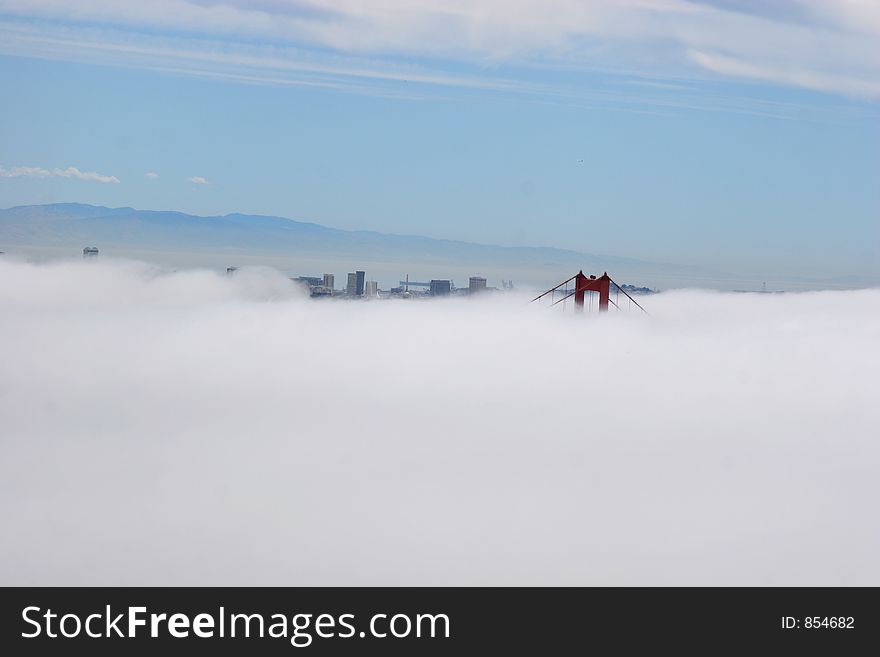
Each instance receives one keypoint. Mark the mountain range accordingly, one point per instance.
(74, 226)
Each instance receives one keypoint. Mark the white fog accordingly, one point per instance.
(192, 428)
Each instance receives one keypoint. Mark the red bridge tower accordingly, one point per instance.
(583, 284)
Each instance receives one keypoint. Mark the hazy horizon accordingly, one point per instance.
(164, 237)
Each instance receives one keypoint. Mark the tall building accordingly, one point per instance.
(90, 252)
(440, 288)
(360, 283)
(477, 284)
(351, 284)
(329, 281)
(372, 289)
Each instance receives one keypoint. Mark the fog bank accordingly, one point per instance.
(192, 428)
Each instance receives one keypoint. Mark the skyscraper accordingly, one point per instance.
(372, 289)
(440, 288)
(477, 284)
(360, 283)
(329, 281)
(351, 285)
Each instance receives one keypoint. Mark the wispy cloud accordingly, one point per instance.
(814, 44)
(817, 81)
(199, 180)
(277, 65)
(69, 172)
(152, 175)
(236, 61)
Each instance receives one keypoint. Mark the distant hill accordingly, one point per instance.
(76, 225)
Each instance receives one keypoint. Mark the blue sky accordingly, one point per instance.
(722, 133)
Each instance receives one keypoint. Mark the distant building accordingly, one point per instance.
(355, 285)
(329, 281)
(311, 281)
(440, 288)
(315, 285)
(633, 289)
(477, 284)
(372, 289)
(231, 270)
(90, 252)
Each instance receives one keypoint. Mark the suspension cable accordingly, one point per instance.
(554, 288)
(628, 296)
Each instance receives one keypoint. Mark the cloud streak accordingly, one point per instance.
(198, 180)
(232, 432)
(809, 43)
(69, 172)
